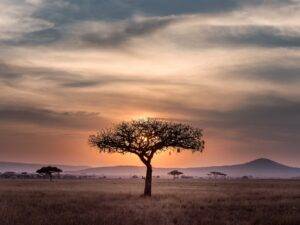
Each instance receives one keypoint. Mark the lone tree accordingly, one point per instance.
(48, 170)
(175, 173)
(144, 138)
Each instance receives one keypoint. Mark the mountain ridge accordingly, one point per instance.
(261, 168)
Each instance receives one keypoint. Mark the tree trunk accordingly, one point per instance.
(50, 176)
(148, 181)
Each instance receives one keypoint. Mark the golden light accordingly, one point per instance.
(143, 116)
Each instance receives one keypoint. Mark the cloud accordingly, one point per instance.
(230, 67)
(12, 74)
(267, 118)
(112, 80)
(40, 37)
(261, 117)
(15, 74)
(114, 22)
(95, 33)
(262, 36)
(113, 10)
(43, 22)
(6, 72)
(270, 112)
(114, 34)
(17, 20)
(238, 36)
(282, 71)
(50, 118)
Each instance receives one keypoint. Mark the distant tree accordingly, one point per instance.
(175, 173)
(145, 138)
(49, 170)
(215, 175)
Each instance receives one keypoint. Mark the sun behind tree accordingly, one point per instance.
(145, 138)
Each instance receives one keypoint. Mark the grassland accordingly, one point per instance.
(118, 202)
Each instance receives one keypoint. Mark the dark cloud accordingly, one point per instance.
(129, 30)
(112, 80)
(68, 12)
(282, 74)
(12, 75)
(50, 118)
(10, 71)
(267, 113)
(110, 10)
(177, 7)
(42, 37)
(262, 36)
(280, 70)
(238, 36)
(101, 81)
(62, 13)
(7, 72)
(72, 10)
(259, 118)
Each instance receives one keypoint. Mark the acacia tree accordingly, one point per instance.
(175, 173)
(216, 174)
(49, 170)
(145, 138)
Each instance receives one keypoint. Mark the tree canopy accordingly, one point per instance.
(146, 137)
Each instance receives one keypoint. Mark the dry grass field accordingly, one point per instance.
(118, 202)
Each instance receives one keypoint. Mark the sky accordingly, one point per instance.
(69, 68)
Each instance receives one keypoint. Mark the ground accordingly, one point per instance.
(180, 202)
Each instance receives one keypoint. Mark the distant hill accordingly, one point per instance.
(260, 168)
(31, 167)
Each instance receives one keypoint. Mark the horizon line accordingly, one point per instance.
(185, 167)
